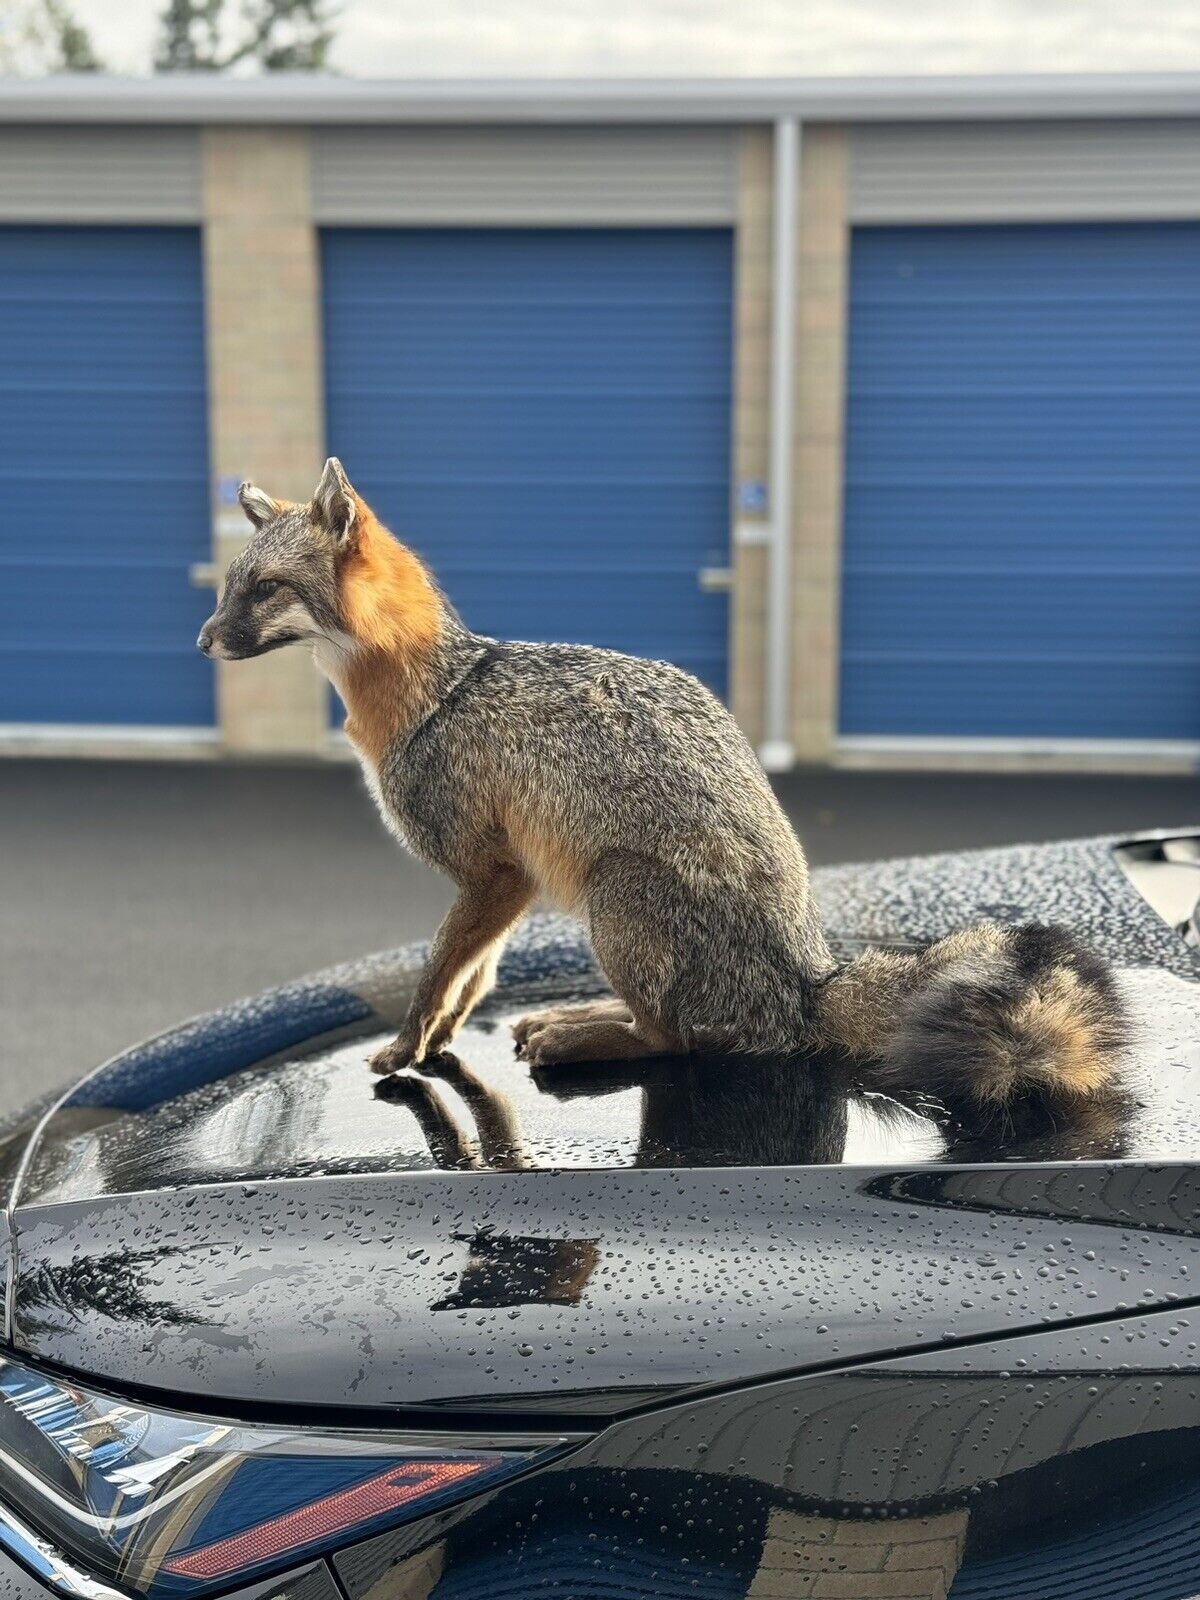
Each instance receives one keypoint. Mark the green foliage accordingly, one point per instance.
(189, 36)
(40, 36)
(72, 41)
(274, 35)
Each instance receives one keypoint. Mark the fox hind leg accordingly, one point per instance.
(635, 956)
(653, 938)
(559, 1042)
(570, 1016)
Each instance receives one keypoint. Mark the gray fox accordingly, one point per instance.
(624, 791)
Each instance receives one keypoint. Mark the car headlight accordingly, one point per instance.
(165, 1504)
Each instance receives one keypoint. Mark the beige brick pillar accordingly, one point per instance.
(818, 445)
(265, 395)
(751, 423)
(821, 273)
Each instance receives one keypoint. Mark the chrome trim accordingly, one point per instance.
(48, 1564)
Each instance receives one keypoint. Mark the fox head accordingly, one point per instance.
(326, 573)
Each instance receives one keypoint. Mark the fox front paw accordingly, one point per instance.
(405, 1051)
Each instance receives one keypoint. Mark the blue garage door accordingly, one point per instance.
(545, 415)
(1022, 515)
(102, 415)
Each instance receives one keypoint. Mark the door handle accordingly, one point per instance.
(715, 580)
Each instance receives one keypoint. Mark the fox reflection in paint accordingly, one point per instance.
(696, 1112)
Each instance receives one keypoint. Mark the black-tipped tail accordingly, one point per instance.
(983, 1019)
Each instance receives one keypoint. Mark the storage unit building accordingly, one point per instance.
(546, 414)
(104, 422)
(872, 403)
(1021, 545)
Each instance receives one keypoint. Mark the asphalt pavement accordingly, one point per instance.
(136, 894)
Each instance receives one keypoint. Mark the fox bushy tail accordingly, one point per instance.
(982, 1019)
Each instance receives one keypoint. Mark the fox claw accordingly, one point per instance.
(524, 1026)
(394, 1057)
(544, 1046)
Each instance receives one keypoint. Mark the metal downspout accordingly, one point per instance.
(777, 752)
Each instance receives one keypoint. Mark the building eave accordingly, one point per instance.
(303, 98)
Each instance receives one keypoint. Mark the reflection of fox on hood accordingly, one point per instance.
(623, 789)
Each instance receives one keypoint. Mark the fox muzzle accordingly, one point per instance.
(237, 638)
(214, 642)
(220, 641)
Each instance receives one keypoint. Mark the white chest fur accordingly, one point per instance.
(391, 821)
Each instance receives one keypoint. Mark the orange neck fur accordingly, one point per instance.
(394, 614)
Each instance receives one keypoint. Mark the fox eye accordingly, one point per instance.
(266, 587)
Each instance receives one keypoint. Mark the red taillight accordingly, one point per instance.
(322, 1519)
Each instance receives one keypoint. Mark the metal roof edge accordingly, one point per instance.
(302, 98)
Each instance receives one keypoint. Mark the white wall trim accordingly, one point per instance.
(108, 741)
(116, 742)
(900, 752)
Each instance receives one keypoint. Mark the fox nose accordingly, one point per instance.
(204, 642)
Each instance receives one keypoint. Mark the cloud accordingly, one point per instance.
(734, 38)
(671, 38)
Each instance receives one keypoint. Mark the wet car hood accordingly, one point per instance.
(233, 1213)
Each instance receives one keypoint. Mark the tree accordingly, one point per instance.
(275, 35)
(73, 42)
(189, 36)
(40, 36)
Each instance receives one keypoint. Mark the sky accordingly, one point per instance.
(721, 38)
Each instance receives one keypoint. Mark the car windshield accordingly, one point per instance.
(1166, 873)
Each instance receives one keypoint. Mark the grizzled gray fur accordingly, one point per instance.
(624, 790)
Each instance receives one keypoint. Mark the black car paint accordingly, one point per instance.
(311, 1112)
(1051, 1465)
(984, 1337)
(436, 1292)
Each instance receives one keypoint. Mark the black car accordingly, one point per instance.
(693, 1328)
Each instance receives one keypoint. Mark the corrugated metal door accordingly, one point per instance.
(102, 414)
(1022, 514)
(545, 414)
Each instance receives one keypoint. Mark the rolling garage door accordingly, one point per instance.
(102, 414)
(1022, 512)
(545, 415)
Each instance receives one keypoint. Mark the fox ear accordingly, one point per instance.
(335, 503)
(257, 504)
